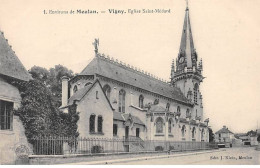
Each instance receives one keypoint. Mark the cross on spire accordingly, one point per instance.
(187, 4)
(96, 44)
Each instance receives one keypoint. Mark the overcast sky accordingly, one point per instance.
(226, 36)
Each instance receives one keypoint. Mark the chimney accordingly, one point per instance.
(65, 91)
(224, 126)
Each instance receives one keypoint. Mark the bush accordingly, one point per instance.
(158, 148)
(171, 148)
(97, 149)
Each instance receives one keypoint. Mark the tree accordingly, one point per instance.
(211, 135)
(40, 115)
(37, 110)
(251, 133)
(40, 73)
(52, 79)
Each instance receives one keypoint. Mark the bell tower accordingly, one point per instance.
(188, 72)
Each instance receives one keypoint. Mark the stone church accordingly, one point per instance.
(116, 100)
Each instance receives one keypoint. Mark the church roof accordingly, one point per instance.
(135, 119)
(118, 116)
(10, 65)
(125, 117)
(83, 91)
(79, 94)
(119, 72)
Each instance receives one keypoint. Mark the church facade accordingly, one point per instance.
(116, 100)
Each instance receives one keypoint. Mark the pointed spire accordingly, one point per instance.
(187, 55)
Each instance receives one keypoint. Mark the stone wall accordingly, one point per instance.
(11, 140)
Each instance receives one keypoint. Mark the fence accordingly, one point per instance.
(65, 145)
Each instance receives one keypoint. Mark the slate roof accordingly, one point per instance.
(224, 130)
(83, 91)
(10, 65)
(185, 33)
(135, 119)
(118, 116)
(9, 91)
(119, 72)
(79, 94)
(157, 108)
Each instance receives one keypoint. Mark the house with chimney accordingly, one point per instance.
(224, 136)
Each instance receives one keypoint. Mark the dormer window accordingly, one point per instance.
(168, 107)
(141, 101)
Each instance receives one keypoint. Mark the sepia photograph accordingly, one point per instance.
(132, 82)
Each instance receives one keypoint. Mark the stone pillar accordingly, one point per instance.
(166, 130)
(114, 98)
(152, 127)
(65, 90)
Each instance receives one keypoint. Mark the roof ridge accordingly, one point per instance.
(130, 67)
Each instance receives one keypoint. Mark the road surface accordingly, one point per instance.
(228, 156)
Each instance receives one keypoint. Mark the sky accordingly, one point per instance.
(226, 36)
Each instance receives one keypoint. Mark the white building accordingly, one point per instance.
(118, 100)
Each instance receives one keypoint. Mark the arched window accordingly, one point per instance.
(202, 135)
(92, 123)
(159, 125)
(75, 89)
(188, 113)
(141, 101)
(196, 93)
(121, 102)
(100, 124)
(193, 132)
(167, 106)
(107, 90)
(156, 101)
(170, 126)
(183, 130)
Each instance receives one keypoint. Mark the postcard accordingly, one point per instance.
(172, 82)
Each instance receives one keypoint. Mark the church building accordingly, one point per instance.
(116, 100)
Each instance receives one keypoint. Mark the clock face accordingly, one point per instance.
(181, 60)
